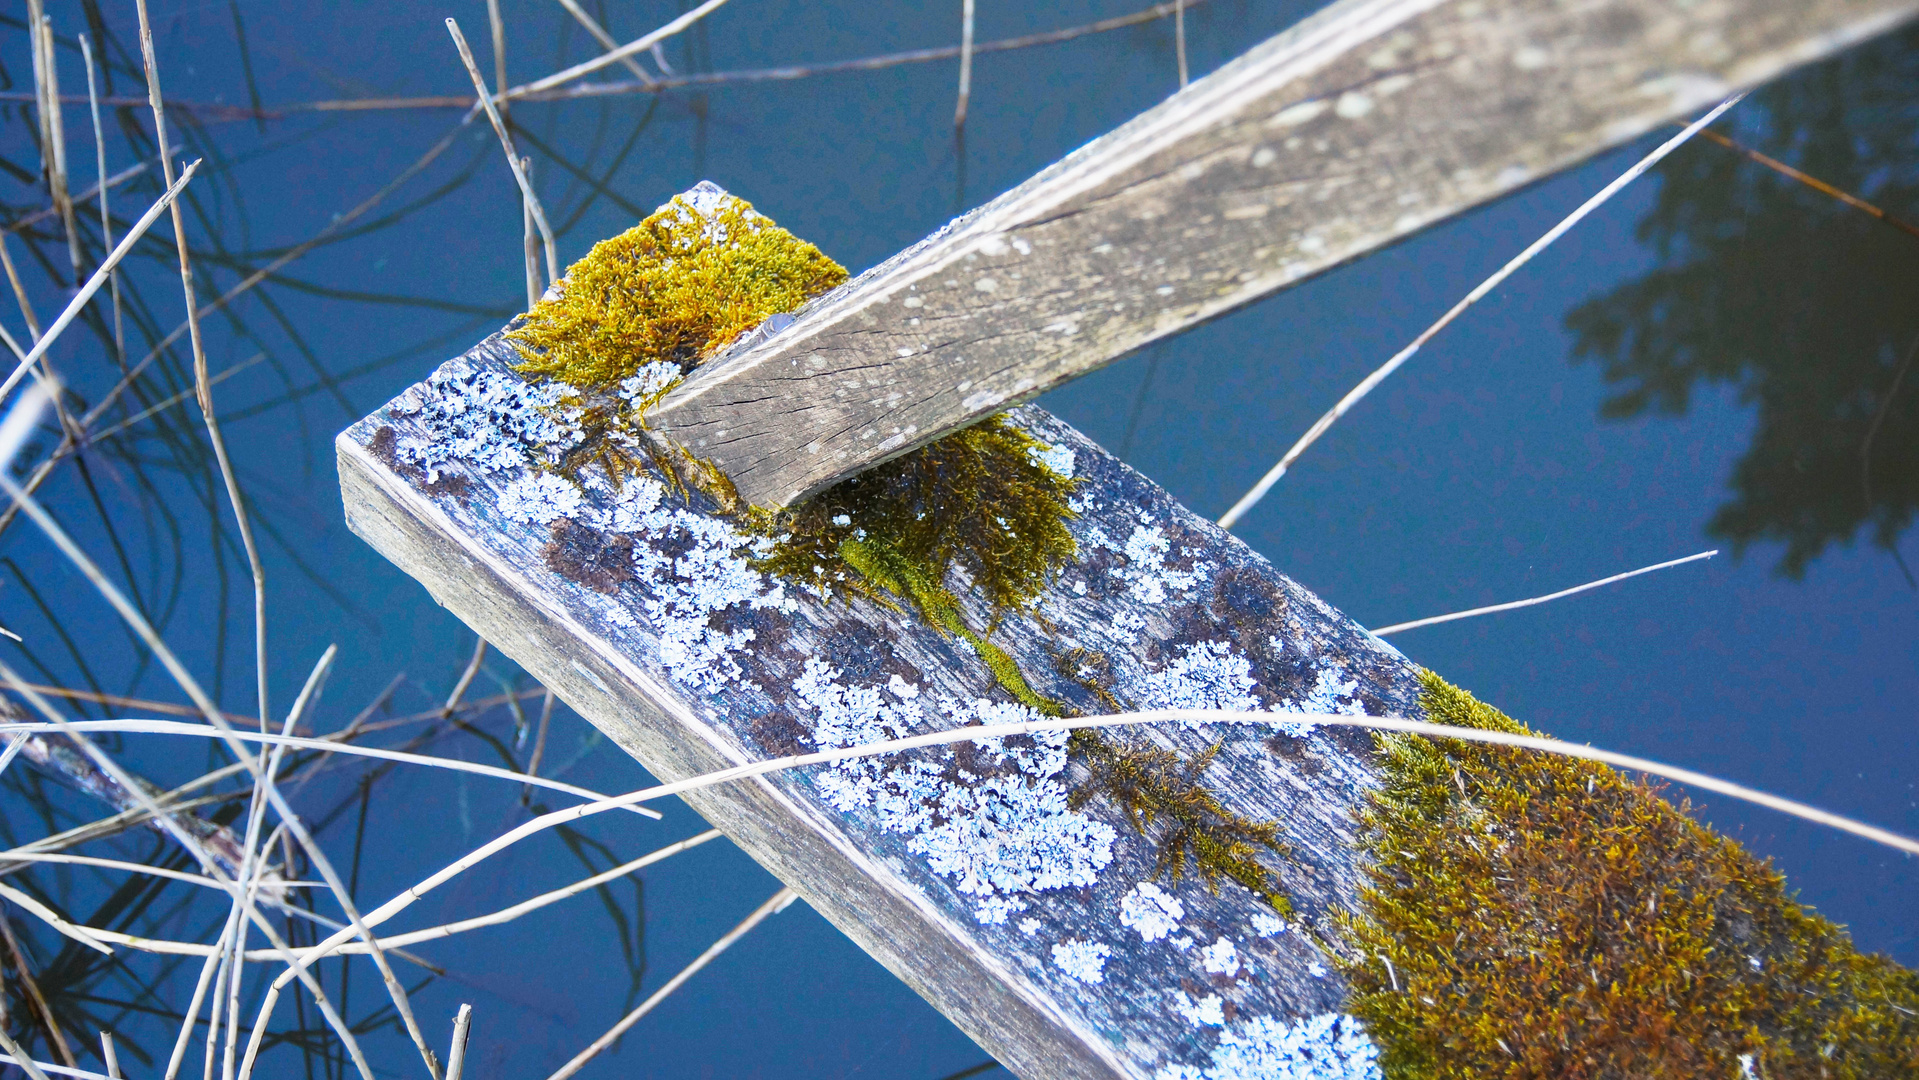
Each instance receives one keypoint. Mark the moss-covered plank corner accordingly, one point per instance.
(1172, 903)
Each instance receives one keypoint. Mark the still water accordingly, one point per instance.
(1713, 360)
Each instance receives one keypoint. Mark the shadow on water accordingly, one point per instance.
(1823, 353)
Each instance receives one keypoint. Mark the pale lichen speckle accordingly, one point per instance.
(1150, 910)
(996, 837)
(1209, 1011)
(1331, 1046)
(1083, 960)
(1220, 958)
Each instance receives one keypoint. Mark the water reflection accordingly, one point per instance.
(1823, 351)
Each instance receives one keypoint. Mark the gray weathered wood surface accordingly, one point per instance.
(697, 663)
(1365, 123)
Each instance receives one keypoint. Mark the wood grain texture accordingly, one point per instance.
(1155, 590)
(1365, 123)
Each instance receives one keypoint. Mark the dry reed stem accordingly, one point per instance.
(530, 244)
(253, 865)
(532, 201)
(166, 202)
(52, 918)
(128, 702)
(20, 223)
(1514, 604)
(1813, 182)
(456, 1051)
(19, 290)
(167, 820)
(966, 63)
(395, 942)
(283, 741)
(752, 75)
(774, 904)
(637, 45)
(1179, 38)
(36, 1000)
(200, 381)
(539, 747)
(1251, 498)
(53, 141)
(498, 28)
(100, 189)
(109, 1055)
(315, 854)
(466, 679)
(605, 39)
(1032, 727)
(144, 630)
(20, 1058)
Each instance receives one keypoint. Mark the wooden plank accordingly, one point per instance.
(997, 908)
(1360, 126)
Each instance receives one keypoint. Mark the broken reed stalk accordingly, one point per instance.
(1179, 38)
(109, 1055)
(99, 277)
(52, 125)
(143, 629)
(37, 216)
(774, 905)
(1813, 182)
(673, 81)
(1512, 605)
(539, 747)
(530, 244)
(456, 1052)
(512, 155)
(200, 380)
(20, 1057)
(19, 290)
(554, 819)
(1356, 394)
(498, 27)
(629, 62)
(100, 188)
(466, 678)
(637, 45)
(283, 740)
(966, 63)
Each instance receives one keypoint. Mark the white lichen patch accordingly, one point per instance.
(1325, 697)
(1055, 459)
(997, 837)
(1083, 960)
(539, 499)
(1207, 675)
(1148, 579)
(1267, 924)
(685, 590)
(650, 383)
(1220, 958)
(489, 419)
(1331, 1046)
(1150, 910)
(1209, 1011)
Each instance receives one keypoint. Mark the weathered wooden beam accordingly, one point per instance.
(1363, 124)
(1046, 932)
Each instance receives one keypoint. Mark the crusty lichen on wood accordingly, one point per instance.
(1532, 916)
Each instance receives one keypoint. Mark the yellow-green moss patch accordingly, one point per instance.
(676, 287)
(1536, 916)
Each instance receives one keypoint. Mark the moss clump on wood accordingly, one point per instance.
(975, 501)
(1531, 915)
(677, 287)
(1161, 792)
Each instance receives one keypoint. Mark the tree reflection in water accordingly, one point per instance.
(1809, 307)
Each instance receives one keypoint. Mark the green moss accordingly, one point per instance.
(678, 287)
(1161, 793)
(1530, 915)
(974, 501)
